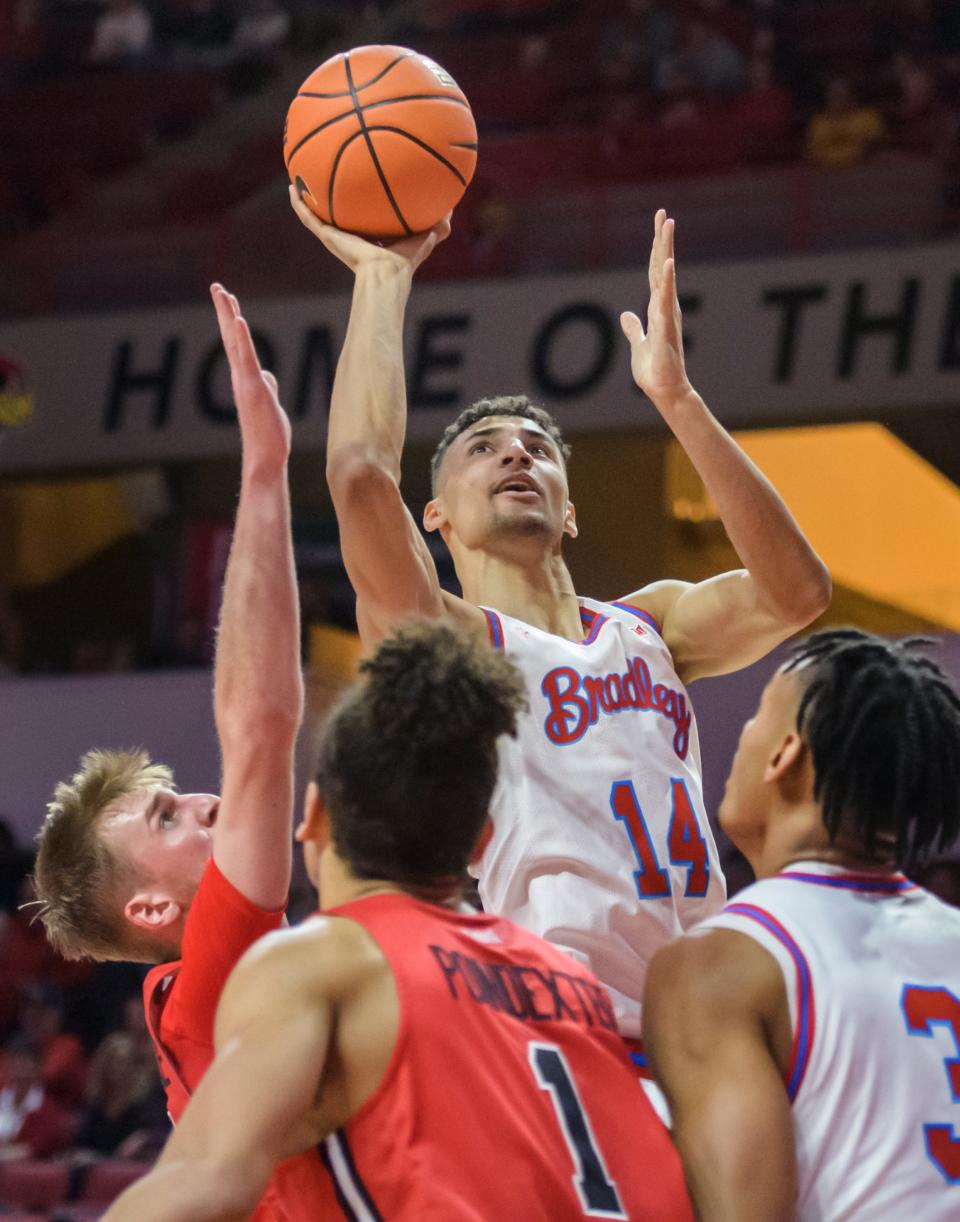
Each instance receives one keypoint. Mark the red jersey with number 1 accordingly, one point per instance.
(509, 1093)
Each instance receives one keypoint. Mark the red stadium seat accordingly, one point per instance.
(109, 1178)
(32, 1184)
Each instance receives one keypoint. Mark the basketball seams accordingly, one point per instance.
(373, 154)
(353, 91)
(333, 171)
(399, 131)
(345, 114)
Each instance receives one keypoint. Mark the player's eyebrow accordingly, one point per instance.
(488, 430)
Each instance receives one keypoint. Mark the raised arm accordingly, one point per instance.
(715, 1024)
(733, 619)
(258, 686)
(255, 1103)
(389, 565)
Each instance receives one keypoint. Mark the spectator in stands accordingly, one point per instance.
(32, 1124)
(262, 28)
(124, 1095)
(199, 32)
(733, 21)
(258, 42)
(918, 121)
(640, 38)
(844, 132)
(26, 957)
(123, 33)
(712, 63)
(765, 113)
(61, 1056)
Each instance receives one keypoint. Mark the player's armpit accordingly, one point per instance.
(715, 1016)
(715, 626)
(273, 1026)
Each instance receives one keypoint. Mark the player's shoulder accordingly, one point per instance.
(656, 599)
(709, 967)
(328, 952)
(466, 616)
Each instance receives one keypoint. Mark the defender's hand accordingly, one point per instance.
(355, 251)
(656, 356)
(264, 427)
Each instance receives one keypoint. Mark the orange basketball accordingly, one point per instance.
(380, 141)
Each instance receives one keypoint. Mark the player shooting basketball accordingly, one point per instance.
(409, 1060)
(600, 839)
(127, 867)
(786, 1025)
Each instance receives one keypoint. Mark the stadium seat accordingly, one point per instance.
(107, 1179)
(32, 1184)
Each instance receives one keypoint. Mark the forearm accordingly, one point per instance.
(258, 684)
(368, 410)
(787, 571)
(727, 1179)
(179, 1191)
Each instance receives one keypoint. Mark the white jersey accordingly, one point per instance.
(600, 843)
(871, 965)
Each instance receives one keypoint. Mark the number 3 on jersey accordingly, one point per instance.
(685, 842)
(923, 1009)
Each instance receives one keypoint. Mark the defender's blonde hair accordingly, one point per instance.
(80, 881)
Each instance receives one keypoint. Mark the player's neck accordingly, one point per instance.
(339, 886)
(539, 593)
(801, 837)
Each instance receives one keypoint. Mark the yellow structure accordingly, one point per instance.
(885, 521)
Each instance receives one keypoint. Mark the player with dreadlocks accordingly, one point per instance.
(785, 1025)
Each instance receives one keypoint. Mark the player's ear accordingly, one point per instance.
(786, 759)
(570, 521)
(433, 516)
(486, 832)
(315, 824)
(152, 910)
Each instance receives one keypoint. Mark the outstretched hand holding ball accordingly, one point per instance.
(381, 142)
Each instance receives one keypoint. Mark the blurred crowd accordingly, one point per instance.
(78, 1077)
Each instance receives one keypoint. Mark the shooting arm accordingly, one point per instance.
(388, 562)
(712, 1004)
(258, 685)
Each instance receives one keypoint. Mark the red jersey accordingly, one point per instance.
(180, 998)
(509, 1093)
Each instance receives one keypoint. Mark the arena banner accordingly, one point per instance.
(769, 341)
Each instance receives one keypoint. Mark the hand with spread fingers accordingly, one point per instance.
(264, 427)
(355, 251)
(656, 354)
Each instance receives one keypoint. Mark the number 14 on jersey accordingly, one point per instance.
(686, 844)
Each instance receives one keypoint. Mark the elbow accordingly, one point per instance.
(357, 472)
(811, 596)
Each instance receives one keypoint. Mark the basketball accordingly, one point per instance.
(380, 141)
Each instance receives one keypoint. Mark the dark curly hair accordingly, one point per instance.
(408, 761)
(499, 405)
(882, 722)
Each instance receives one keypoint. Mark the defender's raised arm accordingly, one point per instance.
(258, 688)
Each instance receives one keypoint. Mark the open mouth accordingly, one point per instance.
(518, 484)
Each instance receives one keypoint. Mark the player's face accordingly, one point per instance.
(750, 792)
(167, 837)
(503, 478)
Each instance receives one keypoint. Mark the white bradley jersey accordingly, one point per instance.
(871, 965)
(600, 843)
